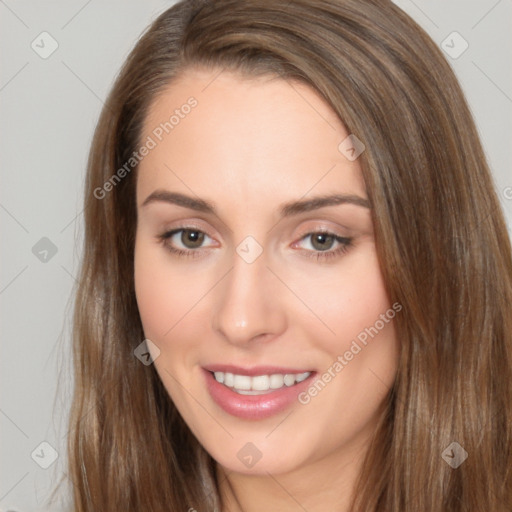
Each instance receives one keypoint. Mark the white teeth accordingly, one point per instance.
(260, 383)
(276, 381)
(289, 380)
(246, 385)
(242, 382)
(229, 379)
(302, 376)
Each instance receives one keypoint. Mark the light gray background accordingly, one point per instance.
(49, 107)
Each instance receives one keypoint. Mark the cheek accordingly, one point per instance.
(362, 301)
(347, 300)
(154, 303)
(163, 296)
(361, 351)
(359, 359)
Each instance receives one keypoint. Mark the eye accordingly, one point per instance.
(188, 242)
(321, 241)
(184, 241)
(321, 244)
(191, 239)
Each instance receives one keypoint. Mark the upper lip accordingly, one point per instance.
(254, 370)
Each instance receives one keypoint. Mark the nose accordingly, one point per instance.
(249, 304)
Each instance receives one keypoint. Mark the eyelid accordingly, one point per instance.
(187, 225)
(178, 230)
(324, 226)
(309, 234)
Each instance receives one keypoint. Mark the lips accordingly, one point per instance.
(255, 405)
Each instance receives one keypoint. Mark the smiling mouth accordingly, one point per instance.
(258, 384)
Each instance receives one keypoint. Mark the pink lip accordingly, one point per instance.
(253, 407)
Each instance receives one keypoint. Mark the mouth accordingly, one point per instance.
(255, 393)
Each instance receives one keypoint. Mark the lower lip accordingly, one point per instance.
(254, 407)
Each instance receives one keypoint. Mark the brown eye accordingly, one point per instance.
(324, 246)
(185, 241)
(322, 241)
(192, 239)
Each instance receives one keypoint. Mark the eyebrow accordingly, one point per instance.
(286, 210)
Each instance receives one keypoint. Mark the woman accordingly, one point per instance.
(296, 284)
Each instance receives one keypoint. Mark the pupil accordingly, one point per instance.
(192, 238)
(324, 240)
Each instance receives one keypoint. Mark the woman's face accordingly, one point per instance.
(255, 265)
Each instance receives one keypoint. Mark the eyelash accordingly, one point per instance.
(345, 244)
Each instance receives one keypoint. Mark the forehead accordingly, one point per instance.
(216, 132)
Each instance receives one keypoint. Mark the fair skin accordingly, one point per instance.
(248, 147)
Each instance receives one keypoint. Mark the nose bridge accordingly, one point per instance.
(246, 305)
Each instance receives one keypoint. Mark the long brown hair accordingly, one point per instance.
(440, 234)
